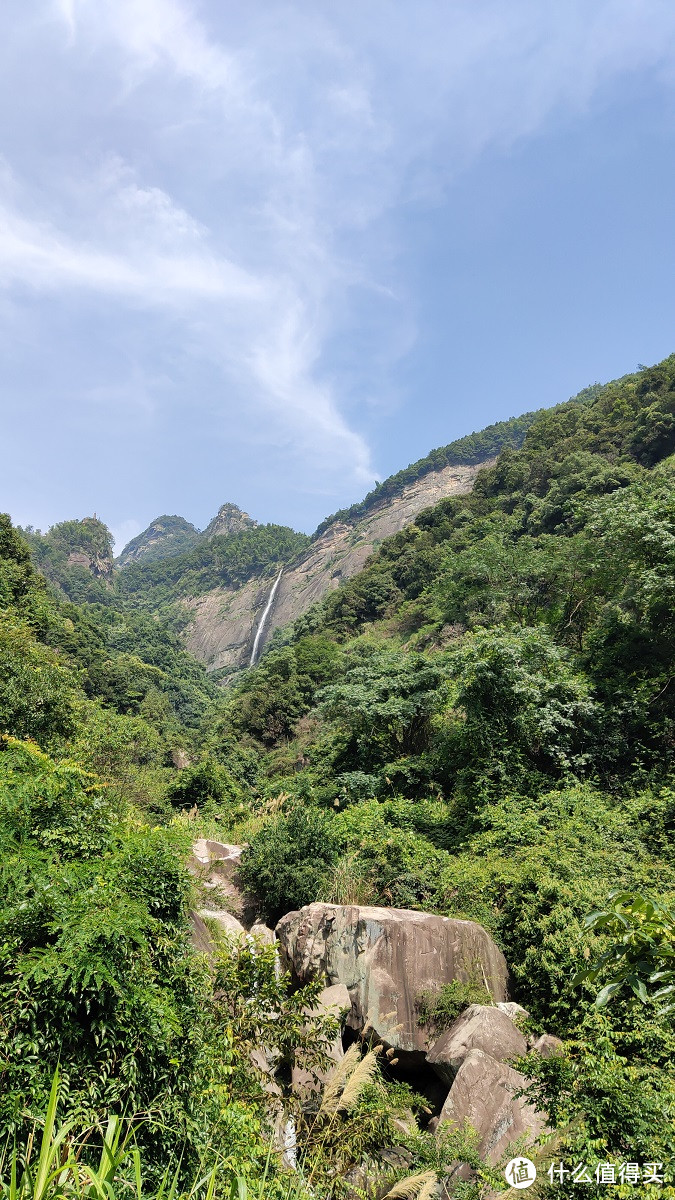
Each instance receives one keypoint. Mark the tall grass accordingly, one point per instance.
(346, 884)
(58, 1170)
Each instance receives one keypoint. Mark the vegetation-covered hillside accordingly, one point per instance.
(222, 561)
(483, 720)
(164, 537)
(474, 448)
(480, 724)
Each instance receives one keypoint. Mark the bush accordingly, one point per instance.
(37, 693)
(439, 1010)
(57, 807)
(206, 783)
(287, 861)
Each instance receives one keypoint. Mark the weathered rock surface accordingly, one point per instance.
(215, 865)
(547, 1045)
(263, 933)
(513, 1010)
(200, 937)
(220, 856)
(224, 620)
(480, 1027)
(333, 1001)
(229, 519)
(224, 920)
(386, 957)
(484, 1093)
(164, 537)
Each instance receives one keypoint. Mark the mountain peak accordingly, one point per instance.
(163, 538)
(229, 519)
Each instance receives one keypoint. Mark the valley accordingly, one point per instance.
(342, 865)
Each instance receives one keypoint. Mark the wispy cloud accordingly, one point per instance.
(232, 170)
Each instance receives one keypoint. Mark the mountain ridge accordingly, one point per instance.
(170, 536)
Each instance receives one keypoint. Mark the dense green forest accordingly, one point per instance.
(480, 724)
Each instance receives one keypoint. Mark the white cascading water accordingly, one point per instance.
(263, 619)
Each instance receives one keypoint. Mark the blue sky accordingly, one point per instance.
(269, 252)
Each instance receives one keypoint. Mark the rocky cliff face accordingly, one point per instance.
(224, 620)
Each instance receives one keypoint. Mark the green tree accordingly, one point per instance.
(37, 692)
(518, 709)
(384, 700)
(286, 862)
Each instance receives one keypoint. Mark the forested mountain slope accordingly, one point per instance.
(223, 610)
(479, 724)
(483, 720)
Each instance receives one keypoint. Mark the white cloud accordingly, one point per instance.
(239, 167)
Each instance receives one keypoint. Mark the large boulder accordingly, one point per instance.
(386, 957)
(480, 1027)
(514, 1011)
(205, 922)
(220, 857)
(484, 1094)
(332, 1001)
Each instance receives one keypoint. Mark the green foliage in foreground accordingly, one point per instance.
(480, 724)
(642, 958)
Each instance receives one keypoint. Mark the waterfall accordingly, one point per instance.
(263, 619)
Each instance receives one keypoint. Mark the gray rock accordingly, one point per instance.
(547, 1045)
(480, 1027)
(224, 920)
(386, 957)
(200, 938)
(484, 1095)
(333, 1001)
(263, 933)
(216, 865)
(513, 1010)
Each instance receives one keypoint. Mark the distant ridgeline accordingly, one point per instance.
(466, 451)
(163, 538)
(226, 560)
(172, 560)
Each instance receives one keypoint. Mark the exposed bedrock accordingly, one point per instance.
(224, 621)
(215, 867)
(485, 1094)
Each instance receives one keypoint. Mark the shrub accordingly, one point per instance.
(36, 692)
(439, 1010)
(287, 861)
(206, 783)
